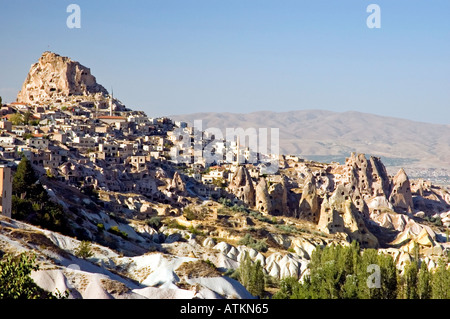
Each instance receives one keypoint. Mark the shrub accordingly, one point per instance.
(239, 208)
(249, 241)
(261, 217)
(287, 228)
(189, 214)
(174, 224)
(195, 231)
(116, 231)
(84, 250)
(210, 263)
(154, 222)
(225, 201)
(438, 221)
(435, 220)
(260, 245)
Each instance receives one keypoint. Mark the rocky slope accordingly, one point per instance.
(55, 78)
(349, 200)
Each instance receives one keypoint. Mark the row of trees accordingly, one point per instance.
(338, 272)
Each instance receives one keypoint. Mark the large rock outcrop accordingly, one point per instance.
(401, 197)
(380, 177)
(368, 183)
(55, 77)
(309, 208)
(177, 185)
(278, 194)
(241, 186)
(368, 177)
(263, 202)
(339, 215)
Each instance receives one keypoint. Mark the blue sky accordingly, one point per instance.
(182, 56)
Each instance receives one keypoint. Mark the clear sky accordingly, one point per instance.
(183, 56)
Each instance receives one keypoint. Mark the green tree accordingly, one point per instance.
(24, 178)
(329, 271)
(257, 280)
(15, 280)
(416, 251)
(251, 276)
(388, 289)
(424, 282)
(365, 273)
(350, 287)
(26, 183)
(441, 281)
(376, 269)
(288, 289)
(21, 208)
(1, 101)
(410, 281)
(348, 272)
(27, 117)
(16, 119)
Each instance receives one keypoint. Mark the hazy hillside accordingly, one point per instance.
(316, 133)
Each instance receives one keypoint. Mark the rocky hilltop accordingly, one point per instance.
(160, 228)
(56, 79)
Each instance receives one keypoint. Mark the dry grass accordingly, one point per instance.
(35, 238)
(197, 269)
(114, 287)
(141, 274)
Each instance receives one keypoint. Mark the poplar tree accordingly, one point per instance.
(251, 276)
(441, 281)
(424, 282)
(410, 278)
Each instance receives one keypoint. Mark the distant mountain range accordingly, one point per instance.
(326, 135)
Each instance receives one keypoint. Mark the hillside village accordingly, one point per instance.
(110, 166)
